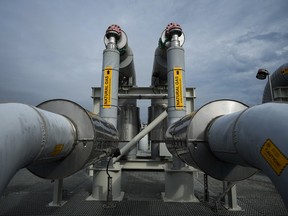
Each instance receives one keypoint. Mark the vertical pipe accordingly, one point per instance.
(176, 80)
(110, 76)
(158, 80)
(128, 121)
(176, 77)
(128, 124)
(140, 135)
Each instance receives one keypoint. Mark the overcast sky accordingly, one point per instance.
(53, 48)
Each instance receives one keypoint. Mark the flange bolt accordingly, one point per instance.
(114, 31)
(173, 28)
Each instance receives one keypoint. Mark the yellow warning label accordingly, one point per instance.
(57, 150)
(107, 91)
(284, 71)
(178, 88)
(274, 157)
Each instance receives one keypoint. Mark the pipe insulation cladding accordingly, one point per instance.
(176, 84)
(54, 140)
(230, 142)
(28, 135)
(109, 85)
(127, 75)
(256, 137)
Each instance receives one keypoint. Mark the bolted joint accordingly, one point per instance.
(173, 29)
(114, 31)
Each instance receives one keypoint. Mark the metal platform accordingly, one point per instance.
(30, 195)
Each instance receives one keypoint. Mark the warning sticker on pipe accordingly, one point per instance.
(57, 150)
(178, 88)
(274, 157)
(107, 91)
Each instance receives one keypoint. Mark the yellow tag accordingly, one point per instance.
(284, 71)
(178, 88)
(107, 91)
(274, 157)
(57, 150)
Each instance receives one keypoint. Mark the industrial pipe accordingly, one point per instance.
(159, 71)
(175, 74)
(168, 72)
(110, 73)
(158, 105)
(143, 96)
(230, 142)
(31, 135)
(140, 135)
(122, 113)
(127, 76)
(115, 38)
(53, 141)
(256, 137)
(119, 71)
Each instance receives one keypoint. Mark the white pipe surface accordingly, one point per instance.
(31, 135)
(255, 137)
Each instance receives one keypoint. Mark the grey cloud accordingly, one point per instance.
(266, 37)
(54, 48)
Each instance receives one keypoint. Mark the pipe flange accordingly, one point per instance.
(164, 40)
(173, 28)
(198, 145)
(84, 147)
(119, 34)
(114, 31)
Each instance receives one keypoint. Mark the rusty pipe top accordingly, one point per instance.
(114, 31)
(115, 37)
(173, 28)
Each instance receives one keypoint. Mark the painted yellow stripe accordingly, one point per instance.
(107, 91)
(178, 88)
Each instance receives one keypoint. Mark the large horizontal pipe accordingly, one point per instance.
(229, 141)
(143, 96)
(30, 135)
(256, 137)
(54, 140)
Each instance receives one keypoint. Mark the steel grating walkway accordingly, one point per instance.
(30, 195)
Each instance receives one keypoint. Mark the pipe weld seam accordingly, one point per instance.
(43, 131)
(235, 134)
(75, 133)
